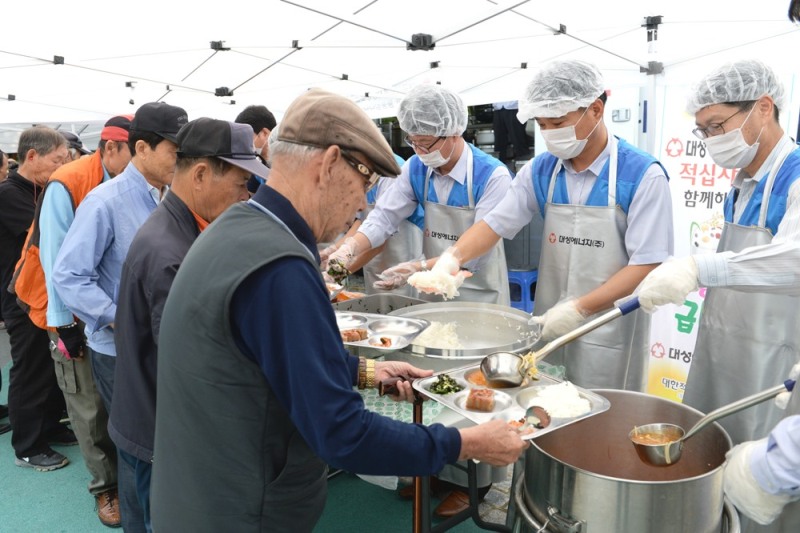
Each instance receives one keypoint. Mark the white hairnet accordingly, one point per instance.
(432, 110)
(560, 87)
(739, 81)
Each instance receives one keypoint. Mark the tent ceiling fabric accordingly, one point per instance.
(164, 49)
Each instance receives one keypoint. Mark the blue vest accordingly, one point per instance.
(483, 166)
(788, 173)
(632, 163)
(417, 217)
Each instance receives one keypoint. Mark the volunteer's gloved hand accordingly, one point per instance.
(397, 276)
(670, 282)
(559, 320)
(73, 339)
(449, 262)
(743, 490)
(782, 399)
(338, 265)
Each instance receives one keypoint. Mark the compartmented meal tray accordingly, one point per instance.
(510, 403)
(378, 332)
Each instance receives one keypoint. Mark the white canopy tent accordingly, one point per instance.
(75, 66)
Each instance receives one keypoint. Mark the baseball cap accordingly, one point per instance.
(74, 142)
(116, 128)
(162, 119)
(321, 118)
(229, 141)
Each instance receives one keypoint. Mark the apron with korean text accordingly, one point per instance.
(444, 224)
(405, 245)
(583, 246)
(747, 342)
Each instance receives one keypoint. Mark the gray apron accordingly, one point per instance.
(615, 355)
(747, 342)
(405, 245)
(490, 284)
(789, 519)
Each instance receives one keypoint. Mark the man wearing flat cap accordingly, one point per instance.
(87, 268)
(65, 190)
(215, 161)
(255, 389)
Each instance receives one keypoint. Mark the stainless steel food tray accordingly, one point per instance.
(510, 403)
(398, 330)
(482, 328)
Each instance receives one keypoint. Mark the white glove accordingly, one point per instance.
(449, 262)
(559, 320)
(782, 399)
(743, 490)
(397, 276)
(338, 265)
(325, 253)
(670, 282)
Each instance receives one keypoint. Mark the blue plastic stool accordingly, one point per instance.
(522, 286)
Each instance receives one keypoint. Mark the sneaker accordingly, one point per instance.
(63, 438)
(43, 462)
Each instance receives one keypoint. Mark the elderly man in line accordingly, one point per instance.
(87, 268)
(35, 402)
(65, 191)
(255, 389)
(215, 161)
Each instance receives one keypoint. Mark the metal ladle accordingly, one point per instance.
(668, 439)
(506, 369)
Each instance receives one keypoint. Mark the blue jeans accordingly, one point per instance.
(142, 471)
(130, 512)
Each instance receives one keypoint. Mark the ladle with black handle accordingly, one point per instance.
(661, 444)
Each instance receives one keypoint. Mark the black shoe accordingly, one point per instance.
(43, 462)
(66, 437)
(5, 428)
(3, 411)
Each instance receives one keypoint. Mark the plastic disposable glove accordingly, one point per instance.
(397, 276)
(325, 253)
(670, 282)
(338, 266)
(449, 262)
(743, 490)
(782, 399)
(73, 341)
(444, 278)
(559, 320)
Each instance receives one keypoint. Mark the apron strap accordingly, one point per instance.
(612, 175)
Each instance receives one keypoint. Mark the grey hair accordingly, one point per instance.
(299, 153)
(42, 139)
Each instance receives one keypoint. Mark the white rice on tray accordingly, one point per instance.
(439, 335)
(562, 401)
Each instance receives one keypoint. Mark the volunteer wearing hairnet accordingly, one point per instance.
(748, 335)
(457, 185)
(607, 223)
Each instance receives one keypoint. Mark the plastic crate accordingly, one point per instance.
(522, 287)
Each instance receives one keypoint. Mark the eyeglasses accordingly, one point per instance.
(419, 147)
(714, 128)
(370, 176)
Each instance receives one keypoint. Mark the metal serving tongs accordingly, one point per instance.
(622, 309)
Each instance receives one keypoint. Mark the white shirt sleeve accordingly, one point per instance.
(649, 237)
(776, 463)
(517, 208)
(771, 268)
(497, 186)
(391, 208)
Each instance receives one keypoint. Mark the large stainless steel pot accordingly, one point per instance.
(587, 477)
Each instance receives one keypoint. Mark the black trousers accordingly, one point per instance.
(35, 402)
(509, 130)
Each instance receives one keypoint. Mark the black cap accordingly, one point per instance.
(229, 141)
(160, 118)
(74, 141)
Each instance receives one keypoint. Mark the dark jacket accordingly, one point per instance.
(147, 274)
(18, 198)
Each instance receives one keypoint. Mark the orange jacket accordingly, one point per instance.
(78, 177)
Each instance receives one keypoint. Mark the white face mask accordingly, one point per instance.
(730, 150)
(435, 159)
(564, 143)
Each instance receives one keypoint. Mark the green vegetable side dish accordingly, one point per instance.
(445, 385)
(337, 271)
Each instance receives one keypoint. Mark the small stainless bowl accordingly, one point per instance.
(658, 444)
(502, 369)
